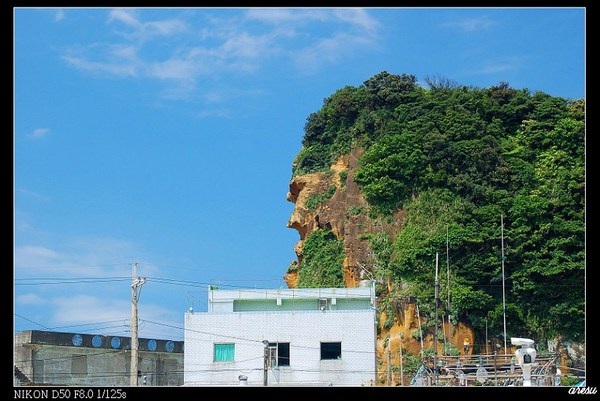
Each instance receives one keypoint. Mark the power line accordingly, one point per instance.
(67, 281)
(92, 329)
(87, 324)
(69, 266)
(250, 340)
(31, 321)
(29, 281)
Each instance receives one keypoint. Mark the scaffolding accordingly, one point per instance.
(485, 370)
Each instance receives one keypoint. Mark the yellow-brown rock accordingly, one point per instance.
(346, 214)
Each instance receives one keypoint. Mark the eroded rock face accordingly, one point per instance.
(345, 213)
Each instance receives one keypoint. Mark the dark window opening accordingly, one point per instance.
(280, 352)
(331, 350)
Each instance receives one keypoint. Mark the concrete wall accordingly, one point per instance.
(303, 330)
(53, 358)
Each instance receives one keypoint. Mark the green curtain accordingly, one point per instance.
(224, 353)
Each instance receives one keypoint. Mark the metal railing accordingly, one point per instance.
(485, 370)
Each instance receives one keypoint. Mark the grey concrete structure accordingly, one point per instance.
(54, 358)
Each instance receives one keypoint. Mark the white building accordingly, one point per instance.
(315, 336)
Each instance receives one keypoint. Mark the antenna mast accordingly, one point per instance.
(435, 327)
(503, 291)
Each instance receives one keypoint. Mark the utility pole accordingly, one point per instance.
(503, 291)
(448, 270)
(401, 360)
(444, 335)
(135, 283)
(266, 363)
(486, 337)
(448, 288)
(420, 329)
(435, 326)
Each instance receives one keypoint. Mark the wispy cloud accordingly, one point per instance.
(123, 70)
(499, 65)
(79, 258)
(33, 255)
(143, 31)
(30, 299)
(59, 16)
(84, 280)
(327, 50)
(39, 133)
(119, 60)
(285, 16)
(183, 52)
(359, 18)
(173, 69)
(474, 24)
(219, 113)
(78, 310)
(124, 16)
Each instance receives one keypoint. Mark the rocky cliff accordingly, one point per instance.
(446, 167)
(346, 213)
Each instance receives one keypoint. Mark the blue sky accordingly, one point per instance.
(166, 137)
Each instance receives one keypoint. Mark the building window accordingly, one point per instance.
(323, 304)
(331, 350)
(224, 353)
(280, 352)
(79, 364)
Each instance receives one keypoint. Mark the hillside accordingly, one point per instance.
(391, 173)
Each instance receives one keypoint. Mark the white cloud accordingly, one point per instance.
(220, 113)
(358, 17)
(39, 133)
(216, 46)
(470, 24)
(59, 16)
(495, 68)
(23, 225)
(500, 65)
(125, 70)
(175, 69)
(34, 255)
(30, 299)
(285, 16)
(279, 16)
(83, 257)
(125, 52)
(73, 311)
(81, 309)
(165, 27)
(246, 46)
(124, 16)
(143, 31)
(327, 50)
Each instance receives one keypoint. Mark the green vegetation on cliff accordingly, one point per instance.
(322, 263)
(455, 159)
